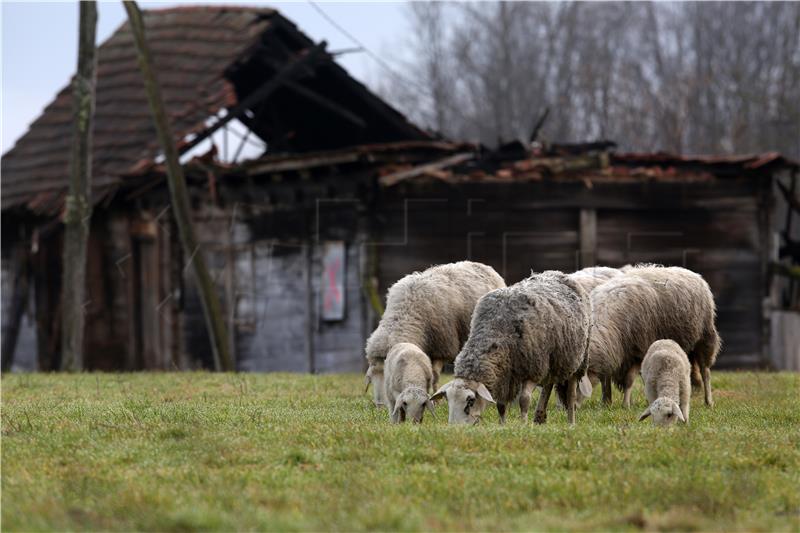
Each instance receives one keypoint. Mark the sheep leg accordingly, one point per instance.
(685, 392)
(540, 416)
(501, 410)
(525, 400)
(437, 365)
(707, 386)
(607, 390)
(697, 376)
(630, 377)
(571, 399)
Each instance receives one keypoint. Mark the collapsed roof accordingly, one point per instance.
(211, 62)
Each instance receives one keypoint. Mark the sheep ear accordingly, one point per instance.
(442, 392)
(484, 393)
(429, 405)
(397, 409)
(585, 387)
(645, 414)
(677, 410)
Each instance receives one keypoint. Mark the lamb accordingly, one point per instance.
(667, 383)
(647, 303)
(408, 376)
(535, 331)
(432, 310)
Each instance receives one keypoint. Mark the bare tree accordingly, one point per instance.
(78, 210)
(212, 309)
(683, 77)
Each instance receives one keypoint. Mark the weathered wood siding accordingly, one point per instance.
(714, 228)
(24, 350)
(268, 268)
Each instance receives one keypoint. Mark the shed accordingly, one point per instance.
(304, 241)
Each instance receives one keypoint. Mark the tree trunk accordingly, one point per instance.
(180, 202)
(78, 208)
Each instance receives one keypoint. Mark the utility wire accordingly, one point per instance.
(382, 62)
(378, 59)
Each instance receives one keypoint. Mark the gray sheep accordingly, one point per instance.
(533, 332)
(432, 310)
(408, 377)
(667, 383)
(648, 303)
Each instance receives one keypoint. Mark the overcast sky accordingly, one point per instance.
(39, 45)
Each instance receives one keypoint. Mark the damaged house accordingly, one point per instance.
(311, 196)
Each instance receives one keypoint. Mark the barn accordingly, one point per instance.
(343, 197)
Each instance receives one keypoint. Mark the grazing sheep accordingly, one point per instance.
(374, 374)
(533, 332)
(591, 277)
(407, 380)
(432, 310)
(667, 384)
(645, 304)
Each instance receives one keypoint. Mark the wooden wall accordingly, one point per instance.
(17, 307)
(714, 228)
(268, 267)
(144, 312)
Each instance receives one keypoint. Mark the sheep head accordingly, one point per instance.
(411, 404)
(665, 411)
(466, 400)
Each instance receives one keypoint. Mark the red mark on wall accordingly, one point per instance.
(333, 276)
(332, 293)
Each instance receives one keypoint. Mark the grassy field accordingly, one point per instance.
(200, 451)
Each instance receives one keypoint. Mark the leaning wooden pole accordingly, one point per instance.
(212, 310)
(78, 208)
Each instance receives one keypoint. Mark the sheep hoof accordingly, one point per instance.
(540, 418)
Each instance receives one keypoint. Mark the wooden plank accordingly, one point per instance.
(785, 341)
(588, 237)
(301, 163)
(12, 314)
(310, 308)
(325, 103)
(397, 177)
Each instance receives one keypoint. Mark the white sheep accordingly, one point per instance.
(647, 303)
(590, 278)
(407, 380)
(432, 310)
(667, 383)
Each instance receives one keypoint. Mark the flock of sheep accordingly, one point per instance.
(570, 332)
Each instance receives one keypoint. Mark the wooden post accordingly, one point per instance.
(588, 238)
(311, 315)
(78, 205)
(212, 309)
(17, 305)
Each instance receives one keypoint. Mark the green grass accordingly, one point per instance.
(200, 451)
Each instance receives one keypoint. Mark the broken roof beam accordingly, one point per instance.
(271, 46)
(259, 95)
(326, 103)
(397, 177)
(302, 163)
